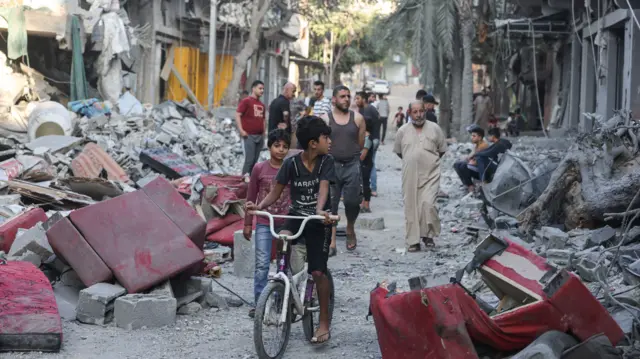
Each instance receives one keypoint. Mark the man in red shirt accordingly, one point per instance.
(251, 123)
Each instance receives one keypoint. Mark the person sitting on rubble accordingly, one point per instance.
(261, 183)
(487, 159)
(467, 169)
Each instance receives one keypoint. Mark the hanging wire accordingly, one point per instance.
(535, 78)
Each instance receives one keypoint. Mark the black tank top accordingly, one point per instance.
(344, 139)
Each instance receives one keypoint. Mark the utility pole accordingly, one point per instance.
(213, 24)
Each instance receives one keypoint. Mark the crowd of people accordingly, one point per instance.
(326, 154)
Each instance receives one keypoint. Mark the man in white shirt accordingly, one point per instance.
(321, 105)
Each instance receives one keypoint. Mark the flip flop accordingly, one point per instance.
(315, 341)
(414, 248)
(352, 242)
(428, 242)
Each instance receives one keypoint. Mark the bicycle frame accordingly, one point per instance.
(281, 274)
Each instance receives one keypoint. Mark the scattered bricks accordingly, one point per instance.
(95, 305)
(591, 271)
(243, 256)
(601, 237)
(189, 309)
(136, 311)
(561, 257)
(372, 223)
(417, 283)
(218, 255)
(555, 238)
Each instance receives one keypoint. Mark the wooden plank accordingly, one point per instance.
(166, 69)
(186, 87)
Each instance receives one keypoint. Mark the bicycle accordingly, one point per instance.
(286, 292)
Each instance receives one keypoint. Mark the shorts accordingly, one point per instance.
(317, 237)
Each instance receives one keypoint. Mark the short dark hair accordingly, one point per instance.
(278, 135)
(420, 94)
(362, 94)
(256, 83)
(478, 130)
(245, 92)
(494, 132)
(400, 108)
(319, 83)
(310, 128)
(340, 88)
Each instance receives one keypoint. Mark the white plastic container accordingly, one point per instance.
(48, 118)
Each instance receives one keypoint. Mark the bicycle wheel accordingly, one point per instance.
(270, 304)
(310, 319)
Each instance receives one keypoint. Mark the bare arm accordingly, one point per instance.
(362, 127)
(273, 196)
(363, 155)
(239, 121)
(323, 194)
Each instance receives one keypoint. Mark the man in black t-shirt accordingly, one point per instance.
(280, 109)
(309, 174)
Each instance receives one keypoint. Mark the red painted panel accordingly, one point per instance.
(25, 220)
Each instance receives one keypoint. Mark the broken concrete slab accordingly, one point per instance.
(67, 300)
(163, 289)
(214, 300)
(372, 223)
(190, 309)
(95, 303)
(53, 143)
(30, 257)
(135, 311)
(34, 240)
(591, 271)
(554, 237)
(601, 237)
(561, 257)
(70, 278)
(218, 255)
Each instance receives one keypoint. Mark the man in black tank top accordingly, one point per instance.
(347, 140)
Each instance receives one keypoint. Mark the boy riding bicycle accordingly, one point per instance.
(309, 174)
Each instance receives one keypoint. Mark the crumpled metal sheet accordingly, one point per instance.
(503, 192)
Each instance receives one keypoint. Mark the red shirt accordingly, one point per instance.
(252, 117)
(260, 184)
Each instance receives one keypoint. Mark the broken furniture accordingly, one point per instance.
(29, 319)
(137, 238)
(446, 322)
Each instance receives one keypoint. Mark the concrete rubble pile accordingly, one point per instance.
(606, 259)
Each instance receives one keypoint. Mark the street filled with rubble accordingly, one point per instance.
(88, 180)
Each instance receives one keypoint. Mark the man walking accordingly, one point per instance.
(420, 146)
(280, 109)
(347, 141)
(419, 96)
(383, 110)
(372, 121)
(250, 121)
(430, 104)
(322, 104)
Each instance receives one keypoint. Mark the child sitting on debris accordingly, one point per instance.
(309, 174)
(261, 183)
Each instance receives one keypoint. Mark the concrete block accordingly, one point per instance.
(506, 222)
(33, 239)
(28, 256)
(186, 299)
(136, 311)
(190, 309)
(554, 237)
(215, 300)
(244, 255)
(163, 289)
(561, 257)
(591, 271)
(218, 255)
(95, 304)
(601, 237)
(67, 300)
(588, 253)
(372, 223)
(191, 289)
(70, 277)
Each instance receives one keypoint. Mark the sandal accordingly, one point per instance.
(316, 340)
(365, 210)
(252, 313)
(428, 242)
(414, 248)
(352, 242)
(333, 252)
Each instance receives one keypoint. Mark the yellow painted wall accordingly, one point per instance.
(193, 66)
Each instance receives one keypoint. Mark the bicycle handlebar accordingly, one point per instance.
(293, 236)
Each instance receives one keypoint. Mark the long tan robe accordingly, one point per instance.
(420, 178)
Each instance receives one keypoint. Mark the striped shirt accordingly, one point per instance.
(322, 107)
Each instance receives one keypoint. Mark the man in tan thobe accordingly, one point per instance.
(420, 145)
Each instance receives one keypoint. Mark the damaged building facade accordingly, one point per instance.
(584, 60)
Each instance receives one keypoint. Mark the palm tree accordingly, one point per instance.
(467, 25)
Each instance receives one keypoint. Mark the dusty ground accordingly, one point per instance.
(229, 334)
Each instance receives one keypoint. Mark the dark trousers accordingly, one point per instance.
(349, 185)
(465, 173)
(252, 146)
(366, 181)
(384, 126)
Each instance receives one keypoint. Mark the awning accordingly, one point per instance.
(551, 24)
(306, 62)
